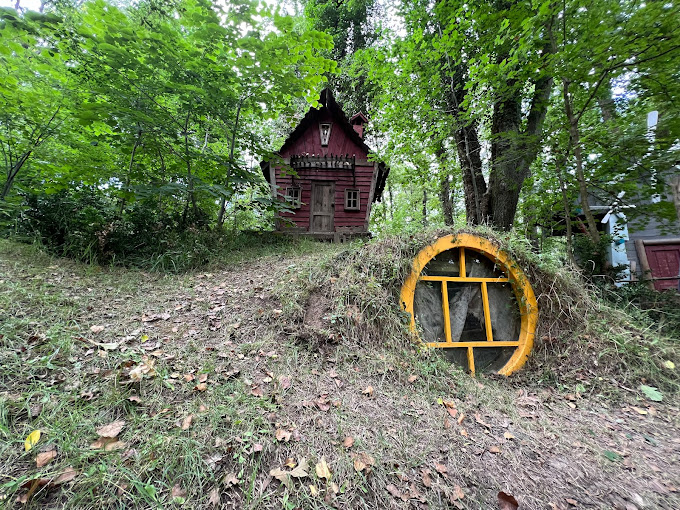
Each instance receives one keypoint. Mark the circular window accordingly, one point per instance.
(469, 298)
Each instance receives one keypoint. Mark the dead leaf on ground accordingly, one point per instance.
(283, 435)
(392, 489)
(348, 442)
(441, 468)
(178, 492)
(313, 490)
(201, 387)
(427, 478)
(45, 458)
(230, 480)
(144, 369)
(202, 378)
(301, 470)
(186, 423)
(507, 502)
(282, 476)
(461, 418)
(322, 470)
(112, 429)
(256, 391)
(457, 493)
(494, 449)
(412, 378)
(363, 462)
(572, 502)
(508, 435)
(135, 398)
(214, 497)
(66, 476)
(368, 391)
(257, 448)
(284, 382)
(97, 329)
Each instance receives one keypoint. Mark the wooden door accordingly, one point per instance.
(323, 207)
(664, 261)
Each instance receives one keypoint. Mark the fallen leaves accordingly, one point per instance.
(31, 440)
(214, 497)
(426, 476)
(322, 470)
(348, 442)
(363, 462)
(283, 435)
(284, 382)
(33, 485)
(186, 423)
(108, 436)
(284, 476)
(144, 369)
(45, 458)
(97, 329)
(441, 468)
(368, 391)
(201, 386)
(112, 429)
(412, 378)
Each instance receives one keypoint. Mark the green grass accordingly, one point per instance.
(54, 381)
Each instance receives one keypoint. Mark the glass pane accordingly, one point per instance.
(489, 359)
(466, 312)
(444, 264)
(428, 311)
(480, 266)
(506, 321)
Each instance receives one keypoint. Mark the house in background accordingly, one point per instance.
(324, 174)
(652, 252)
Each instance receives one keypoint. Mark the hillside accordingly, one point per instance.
(233, 389)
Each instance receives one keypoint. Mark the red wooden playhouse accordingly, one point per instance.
(324, 174)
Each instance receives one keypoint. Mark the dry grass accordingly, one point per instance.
(250, 330)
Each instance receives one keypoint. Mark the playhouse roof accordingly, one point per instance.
(311, 118)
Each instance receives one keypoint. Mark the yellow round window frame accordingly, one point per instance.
(524, 294)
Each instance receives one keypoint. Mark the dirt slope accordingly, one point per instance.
(395, 427)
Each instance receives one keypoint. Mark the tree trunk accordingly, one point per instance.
(223, 200)
(424, 208)
(567, 213)
(444, 189)
(13, 172)
(575, 137)
(474, 185)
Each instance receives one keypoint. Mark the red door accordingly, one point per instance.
(664, 261)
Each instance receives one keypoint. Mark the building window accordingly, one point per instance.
(352, 202)
(294, 196)
(325, 131)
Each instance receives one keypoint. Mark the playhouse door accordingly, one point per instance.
(323, 206)
(664, 261)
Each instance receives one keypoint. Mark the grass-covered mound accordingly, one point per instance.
(581, 335)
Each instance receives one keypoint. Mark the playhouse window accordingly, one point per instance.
(352, 202)
(325, 132)
(294, 196)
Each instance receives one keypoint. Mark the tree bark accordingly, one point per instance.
(223, 200)
(424, 208)
(444, 188)
(575, 138)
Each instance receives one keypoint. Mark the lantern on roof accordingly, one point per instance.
(469, 298)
